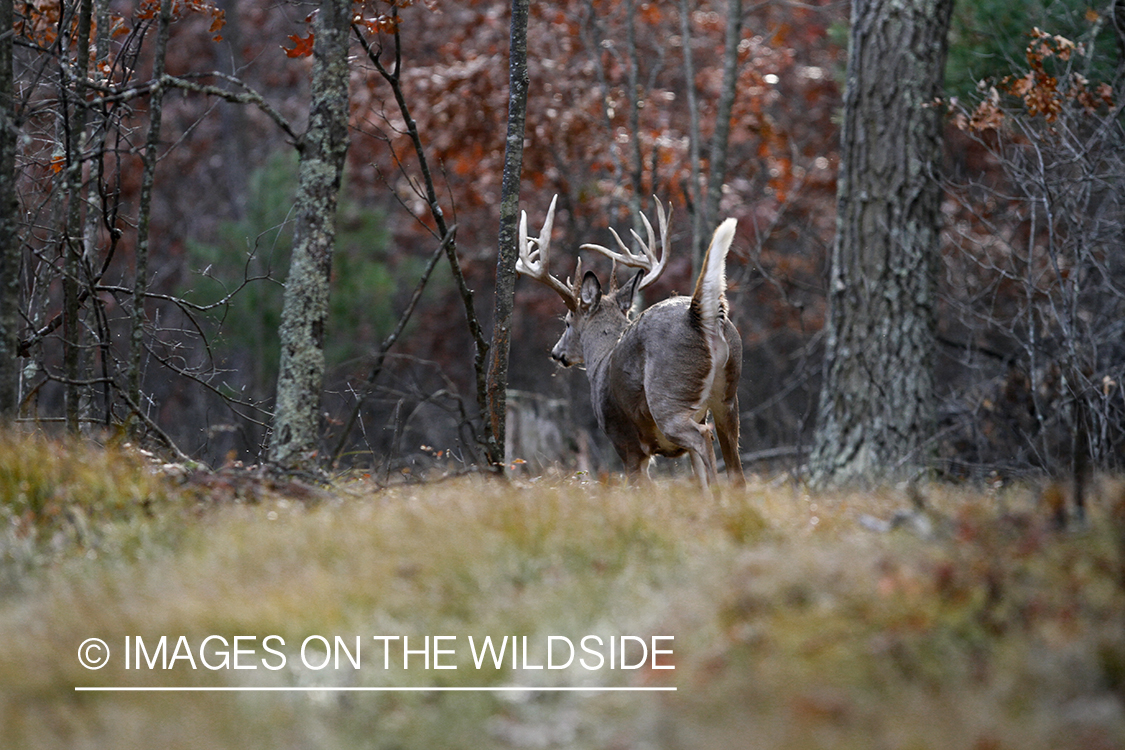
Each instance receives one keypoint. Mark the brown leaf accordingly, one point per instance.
(301, 47)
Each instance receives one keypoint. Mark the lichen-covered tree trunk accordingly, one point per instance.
(305, 308)
(876, 411)
(9, 234)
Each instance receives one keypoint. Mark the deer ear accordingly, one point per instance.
(591, 292)
(625, 294)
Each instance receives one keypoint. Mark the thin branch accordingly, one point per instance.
(389, 341)
(476, 331)
(148, 177)
(116, 95)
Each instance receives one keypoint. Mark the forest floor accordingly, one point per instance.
(765, 618)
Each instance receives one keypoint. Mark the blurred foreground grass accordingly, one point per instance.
(974, 625)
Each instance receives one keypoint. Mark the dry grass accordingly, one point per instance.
(794, 626)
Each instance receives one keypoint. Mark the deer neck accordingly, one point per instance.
(599, 339)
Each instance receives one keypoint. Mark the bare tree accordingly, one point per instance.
(427, 190)
(695, 187)
(1035, 273)
(78, 355)
(508, 246)
(148, 176)
(323, 149)
(877, 407)
(73, 246)
(705, 197)
(720, 139)
(9, 221)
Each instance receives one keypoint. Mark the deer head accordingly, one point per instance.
(587, 305)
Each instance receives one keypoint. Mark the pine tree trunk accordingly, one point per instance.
(305, 307)
(876, 412)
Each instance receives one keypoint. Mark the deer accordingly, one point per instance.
(653, 377)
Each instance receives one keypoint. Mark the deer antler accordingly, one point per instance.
(534, 256)
(652, 265)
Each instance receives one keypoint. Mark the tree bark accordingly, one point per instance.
(877, 408)
(595, 40)
(720, 139)
(9, 233)
(304, 314)
(73, 245)
(695, 188)
(637, 166)
(508, 250)
(148, 177)
(236, 138)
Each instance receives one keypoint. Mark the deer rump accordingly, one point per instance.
(663, 377)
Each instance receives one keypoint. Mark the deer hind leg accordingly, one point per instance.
(637, 471)
(636, 463)
(685, 432)
(726, 426)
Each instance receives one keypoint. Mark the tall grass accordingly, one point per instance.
(794, 626)
(62, 499)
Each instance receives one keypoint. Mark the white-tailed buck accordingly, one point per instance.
(652, 379)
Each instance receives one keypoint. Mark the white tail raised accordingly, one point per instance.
(711, 287)
(653, 380)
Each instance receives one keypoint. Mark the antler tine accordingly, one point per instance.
(533, 262)
(647, 260)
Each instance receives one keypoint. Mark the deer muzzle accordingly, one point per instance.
(559, 354)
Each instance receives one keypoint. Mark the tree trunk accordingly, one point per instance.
(695, 188)
(96, 212)
(508, 249)
(9, 233)
(720, 139)
(236, 132)
(637, 167)
(73, 247)
(305, 308)
(876, 411)
(148, 176)
(595, 40)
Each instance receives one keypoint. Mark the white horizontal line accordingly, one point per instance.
(502, 689)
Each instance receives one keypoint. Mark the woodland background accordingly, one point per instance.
(1032, 306)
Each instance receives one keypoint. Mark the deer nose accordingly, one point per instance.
(558, 353)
